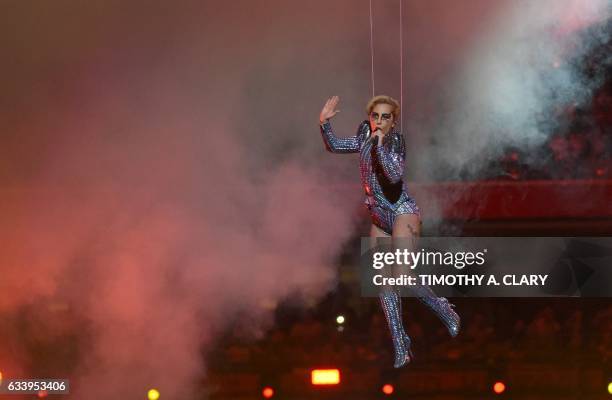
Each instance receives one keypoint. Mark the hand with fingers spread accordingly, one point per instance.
(329, 109)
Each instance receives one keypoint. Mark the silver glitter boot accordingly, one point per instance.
(440, 306)
(392, 306)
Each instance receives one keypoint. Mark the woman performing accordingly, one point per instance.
(394, 213)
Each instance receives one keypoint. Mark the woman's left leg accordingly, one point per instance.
(406, 230)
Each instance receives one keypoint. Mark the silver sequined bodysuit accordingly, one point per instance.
(381, 168)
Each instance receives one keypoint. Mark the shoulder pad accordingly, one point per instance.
(398, 142)
(364, 129)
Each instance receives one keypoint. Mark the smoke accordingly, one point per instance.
(142, 213)
(513, 83)
(162, 173)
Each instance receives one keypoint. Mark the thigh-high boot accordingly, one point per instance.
(392, 306)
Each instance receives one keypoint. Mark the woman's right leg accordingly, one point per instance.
(391, 303)
(376, 233)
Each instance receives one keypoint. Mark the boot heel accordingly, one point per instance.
(408, 344)
(392, 307)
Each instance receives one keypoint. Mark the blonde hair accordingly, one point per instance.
(382, 99)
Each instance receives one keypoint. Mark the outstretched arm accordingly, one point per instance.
(393, 159)
(338, 145)
(332, 142)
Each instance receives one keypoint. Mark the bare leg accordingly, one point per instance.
(406, 229)
(407, 226)
(376, 232)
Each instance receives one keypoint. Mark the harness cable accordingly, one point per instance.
(401, 37)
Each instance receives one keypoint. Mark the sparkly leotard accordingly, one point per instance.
(381, 169)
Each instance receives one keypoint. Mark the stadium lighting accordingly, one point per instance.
(153, 394)
(499, 387)
(267, 392)
(388, 389)
(325, 376)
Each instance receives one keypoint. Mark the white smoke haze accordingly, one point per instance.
(132, 199)
(162, 173)
(513, 82)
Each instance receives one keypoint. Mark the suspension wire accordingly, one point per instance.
(401, 41)
(372, 45)
(401, 68)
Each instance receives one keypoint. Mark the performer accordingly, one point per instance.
(394, 213)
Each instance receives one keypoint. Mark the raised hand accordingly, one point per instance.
(329, 109)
